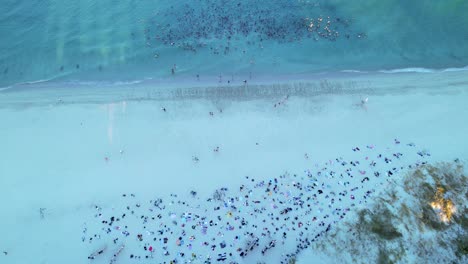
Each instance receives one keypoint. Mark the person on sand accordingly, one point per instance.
(42, 212)
(284, 220)
(364, 103)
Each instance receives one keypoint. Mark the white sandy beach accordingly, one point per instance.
(66, 152)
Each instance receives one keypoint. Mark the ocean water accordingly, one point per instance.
(140, 39)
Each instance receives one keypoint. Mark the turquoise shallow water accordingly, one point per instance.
(131, 39)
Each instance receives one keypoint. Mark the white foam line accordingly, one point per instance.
(405, 70)
(37, 81)
(353, 71)
(456, 69)
(5, 88)
(423, 70)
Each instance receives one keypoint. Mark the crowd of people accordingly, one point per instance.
(278, 217)
(194, 25)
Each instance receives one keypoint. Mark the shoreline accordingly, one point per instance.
(307, 85)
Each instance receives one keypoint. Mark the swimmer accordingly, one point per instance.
(173, 69)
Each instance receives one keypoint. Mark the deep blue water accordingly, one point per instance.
(136, 39)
